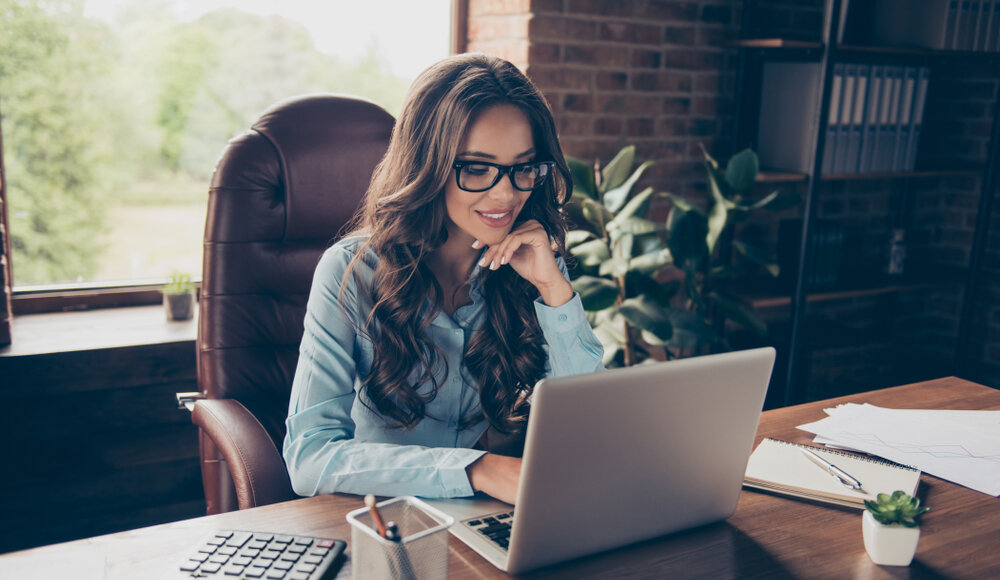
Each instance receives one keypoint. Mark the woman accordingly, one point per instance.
(433, 320)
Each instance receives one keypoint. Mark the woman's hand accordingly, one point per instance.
(527, 249)
(496, 475)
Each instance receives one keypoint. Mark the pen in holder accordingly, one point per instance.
(416, 549)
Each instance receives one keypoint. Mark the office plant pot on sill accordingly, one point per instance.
(890, 528)
(178, 297)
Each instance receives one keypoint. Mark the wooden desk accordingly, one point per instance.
(767, 537)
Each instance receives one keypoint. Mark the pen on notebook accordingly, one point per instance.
(376, 517)
(838, 473)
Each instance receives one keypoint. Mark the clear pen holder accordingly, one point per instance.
(421, 554)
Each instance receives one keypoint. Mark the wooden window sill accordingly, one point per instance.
(35, 334)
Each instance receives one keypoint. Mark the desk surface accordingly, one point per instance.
(768, 536)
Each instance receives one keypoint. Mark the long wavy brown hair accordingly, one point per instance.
(404, 218)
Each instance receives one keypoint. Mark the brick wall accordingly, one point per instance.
(660, 74)
(653, 74)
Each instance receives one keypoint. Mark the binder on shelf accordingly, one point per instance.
(788, 117)
(889, 111)
(919, 99)
(981, 9)
(901, 144)
(834, 119)
(870, 125)
(851, 161)
(991, 41)
(841, 24)
(951, 20)
(844, 120)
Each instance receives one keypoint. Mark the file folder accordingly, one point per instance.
(871, 121)
(833, 120)
(919, 100)
(901, 144)
(845, 118)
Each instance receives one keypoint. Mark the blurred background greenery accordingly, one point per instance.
(111, 128)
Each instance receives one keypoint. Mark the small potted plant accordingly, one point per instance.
(178, 297)
(890, 527)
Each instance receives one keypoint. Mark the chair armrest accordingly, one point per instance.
(257, 468)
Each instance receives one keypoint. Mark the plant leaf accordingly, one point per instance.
(617, 170)
(687, 237)
(615, 267)
(742, 169)
(592, 253)
(717, 215)
(757, 256)
(596, 214)
(690, 330)
(615, 198)
(651, 262)
(583, 178)
(645, 314)
(682, 203)
(577, 237)
(635, 226)
(778, 200)
(736, 311)
(639, 284)
(596, 293)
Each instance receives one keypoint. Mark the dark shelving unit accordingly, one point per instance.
(752, 53)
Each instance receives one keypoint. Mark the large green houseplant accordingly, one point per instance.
(660, 284)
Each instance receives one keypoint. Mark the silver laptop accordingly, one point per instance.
(616, 457)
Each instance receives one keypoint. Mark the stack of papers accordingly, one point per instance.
(960, 446)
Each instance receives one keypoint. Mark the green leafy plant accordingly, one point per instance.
(898, 508)
(180, 283)
(657, 282)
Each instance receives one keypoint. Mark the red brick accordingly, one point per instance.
(707, 106)
(629, 32)
(640, 127)
(600, 55)
(671, 10)
(674, 82)
(707, 83)
(539, 6)
(550, 27)
(646, 58)
(608, 126)
(611, 81)
(679, 35)
(676, 105)
(543, 53)
(691, 59)
(676, 127)
(477, 7)
(498, 28)
(621, 8)
(714, 36)
(578, 103)
(574, 125)
(549, 77)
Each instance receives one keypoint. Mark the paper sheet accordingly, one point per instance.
(960, 446)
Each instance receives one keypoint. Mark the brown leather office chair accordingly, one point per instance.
(280, 195)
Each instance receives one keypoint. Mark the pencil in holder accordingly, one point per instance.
(420, 553)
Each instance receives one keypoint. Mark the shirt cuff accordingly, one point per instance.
(569, 316)
(454, 477)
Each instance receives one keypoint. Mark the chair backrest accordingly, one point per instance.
(280, 195)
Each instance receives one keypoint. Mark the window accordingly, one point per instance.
(114, 113)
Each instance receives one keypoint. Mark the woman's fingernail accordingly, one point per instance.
(493, 265)
(476, 244)
(503, 260)
(482, 263)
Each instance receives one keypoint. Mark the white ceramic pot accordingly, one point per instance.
(892, 545)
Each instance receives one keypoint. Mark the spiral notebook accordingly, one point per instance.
(780, 467)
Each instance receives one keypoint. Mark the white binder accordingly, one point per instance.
(833, 120)
(903, 121)
(919, 98)
(871, 120)
(852, 161)
(845, 119)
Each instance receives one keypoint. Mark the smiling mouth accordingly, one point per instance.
(495, 216)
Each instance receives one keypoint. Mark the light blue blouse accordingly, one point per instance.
(335, 443)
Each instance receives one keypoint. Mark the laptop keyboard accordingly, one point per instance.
(235, 554)
(496, 527)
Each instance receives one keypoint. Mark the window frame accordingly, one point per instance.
(65, 297)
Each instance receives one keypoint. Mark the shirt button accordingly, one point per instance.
(458, 331)
(562, 318)
(455, 379)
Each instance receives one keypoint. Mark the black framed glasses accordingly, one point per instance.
(478, 176)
